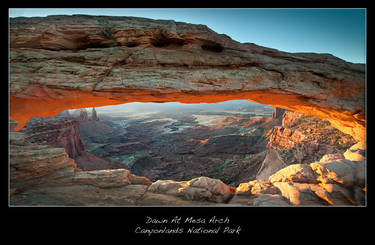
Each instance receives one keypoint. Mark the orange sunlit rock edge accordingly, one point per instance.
(90, 61)
(22, 109)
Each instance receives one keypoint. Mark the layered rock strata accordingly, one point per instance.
(33, 164)
(65, 62)
(42, 175)
(63, 132)
(55, 131)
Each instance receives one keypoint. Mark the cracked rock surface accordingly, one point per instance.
(66, 62)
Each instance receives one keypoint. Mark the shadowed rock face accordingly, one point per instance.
(271, 164)
(278, 113)
(55, 131)
(67, 62)
(65, 133)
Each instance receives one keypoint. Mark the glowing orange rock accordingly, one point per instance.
(70, 62)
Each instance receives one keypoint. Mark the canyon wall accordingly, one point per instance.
(64, 132)
(301, 139)
(43, 175)
(305, 139)
(59, 132)
(278, 113)
(67, 62)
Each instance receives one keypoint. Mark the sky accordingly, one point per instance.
(140, 107)
(341, 32)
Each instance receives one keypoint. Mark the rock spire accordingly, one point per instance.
(94, 116)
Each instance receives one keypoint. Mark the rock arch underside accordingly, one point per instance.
(69, 62)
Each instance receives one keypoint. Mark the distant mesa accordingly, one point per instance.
(64, 114)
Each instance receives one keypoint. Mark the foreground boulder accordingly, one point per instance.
(258, 193)
(356, 153)
(197, 189)
(103, 178)
(345, 172)
(294, 173)
(338, 182)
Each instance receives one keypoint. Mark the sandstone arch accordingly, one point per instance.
(69, 62)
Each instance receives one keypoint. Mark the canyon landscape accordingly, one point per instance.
(128, 111)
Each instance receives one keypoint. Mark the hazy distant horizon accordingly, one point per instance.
(142, 107)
